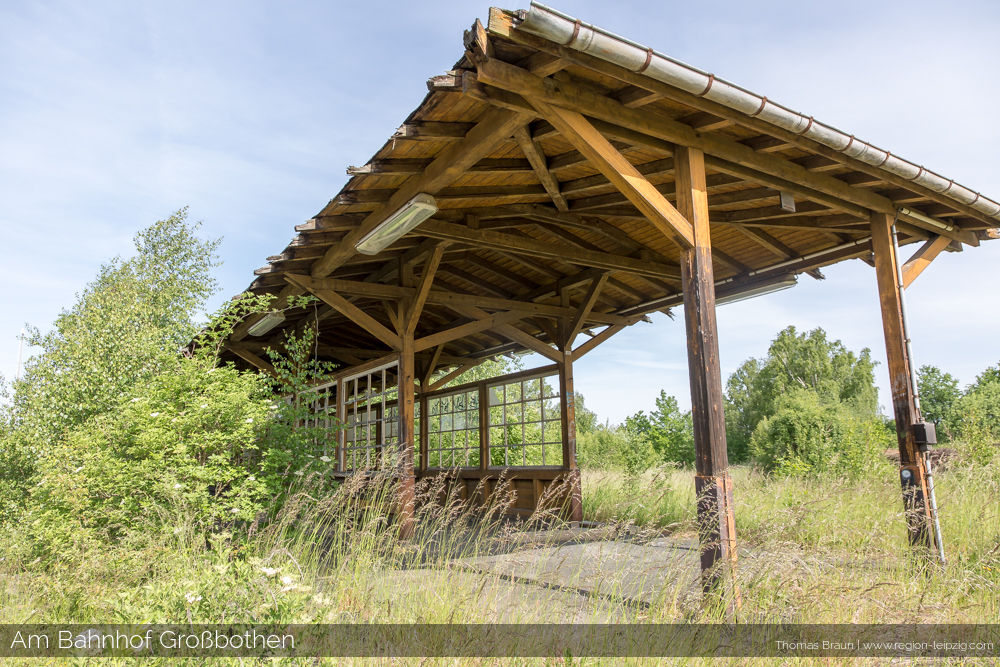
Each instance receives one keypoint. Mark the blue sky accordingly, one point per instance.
(113, 115)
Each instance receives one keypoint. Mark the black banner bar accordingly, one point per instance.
(486, 640)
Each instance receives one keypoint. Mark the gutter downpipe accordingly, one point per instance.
(560, 28)
(916, 393)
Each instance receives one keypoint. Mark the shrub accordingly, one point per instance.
(615, 448)
(669, 431)
(938, 393)
(806, 436)
(797, 361)
(125, 327)
(975, 421)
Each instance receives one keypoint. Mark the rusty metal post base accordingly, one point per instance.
(913, 481)
(717, 537)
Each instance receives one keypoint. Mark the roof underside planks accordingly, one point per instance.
(535, 231)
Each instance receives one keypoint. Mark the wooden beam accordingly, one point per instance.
(498, 25)
(589, 299)
(454, 373)
(922, 258)
(251, 358)
(713, 485)
(423, 289)
(589, 345)
(416, 165)
(431, 367)
(537, 159)
(567, 417)
(351, 312)
(581, 99)
(511, 332)
(919, 519)
(775, 245)
(524, 246)
(496, 125)
(432, 129)
(477, 325)
(446, 298)
(406, 496)
(617, 169)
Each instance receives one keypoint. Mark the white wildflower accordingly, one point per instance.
(192, 597)
(136, 399)
(325, 459)
(204, 405)
(154, 414)
(249, 420)
(178, 485)
(269, 571)
(251, 478)
(287, 580)
(235, 510)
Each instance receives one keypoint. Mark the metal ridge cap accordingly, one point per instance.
(848, 141)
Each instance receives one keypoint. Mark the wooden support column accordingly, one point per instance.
(407, 439)
(567, 408)
(911, 461)
(341, 423)
(484, 444)
(713, 485)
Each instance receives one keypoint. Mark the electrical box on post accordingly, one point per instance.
(924, 434)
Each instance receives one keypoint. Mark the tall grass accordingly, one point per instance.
(811, 551)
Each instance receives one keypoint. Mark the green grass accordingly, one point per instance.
(811, 551)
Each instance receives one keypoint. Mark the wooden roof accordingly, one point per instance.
(529, 229)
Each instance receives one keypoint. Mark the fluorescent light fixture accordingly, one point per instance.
(758, 291)
(266, 323)
(409, 215)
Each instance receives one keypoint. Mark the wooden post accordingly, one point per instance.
(567, 408)
(341, 423)
(424, 429)
(407, 482)
(484, 442)
(911, 460)
(713, 485)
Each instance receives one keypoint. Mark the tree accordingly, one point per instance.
(938, 393)
(991, 374)
(975, 419)
(669, 431)
(796, 362)
(808, 435)
(125, 327)
(586, 419)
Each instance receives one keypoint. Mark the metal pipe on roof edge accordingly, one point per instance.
(563, 29)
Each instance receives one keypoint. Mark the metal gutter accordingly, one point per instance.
(563, 29)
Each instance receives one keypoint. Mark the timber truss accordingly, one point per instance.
(576, 196)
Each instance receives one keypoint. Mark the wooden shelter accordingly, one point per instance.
(581, 182)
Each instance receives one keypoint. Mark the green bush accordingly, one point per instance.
(669, 431)
(805, 435)
(938, 393)
(795, 362)
(975, 421)
(615, 448)
(125, 327)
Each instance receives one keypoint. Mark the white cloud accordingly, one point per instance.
(113, 115)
